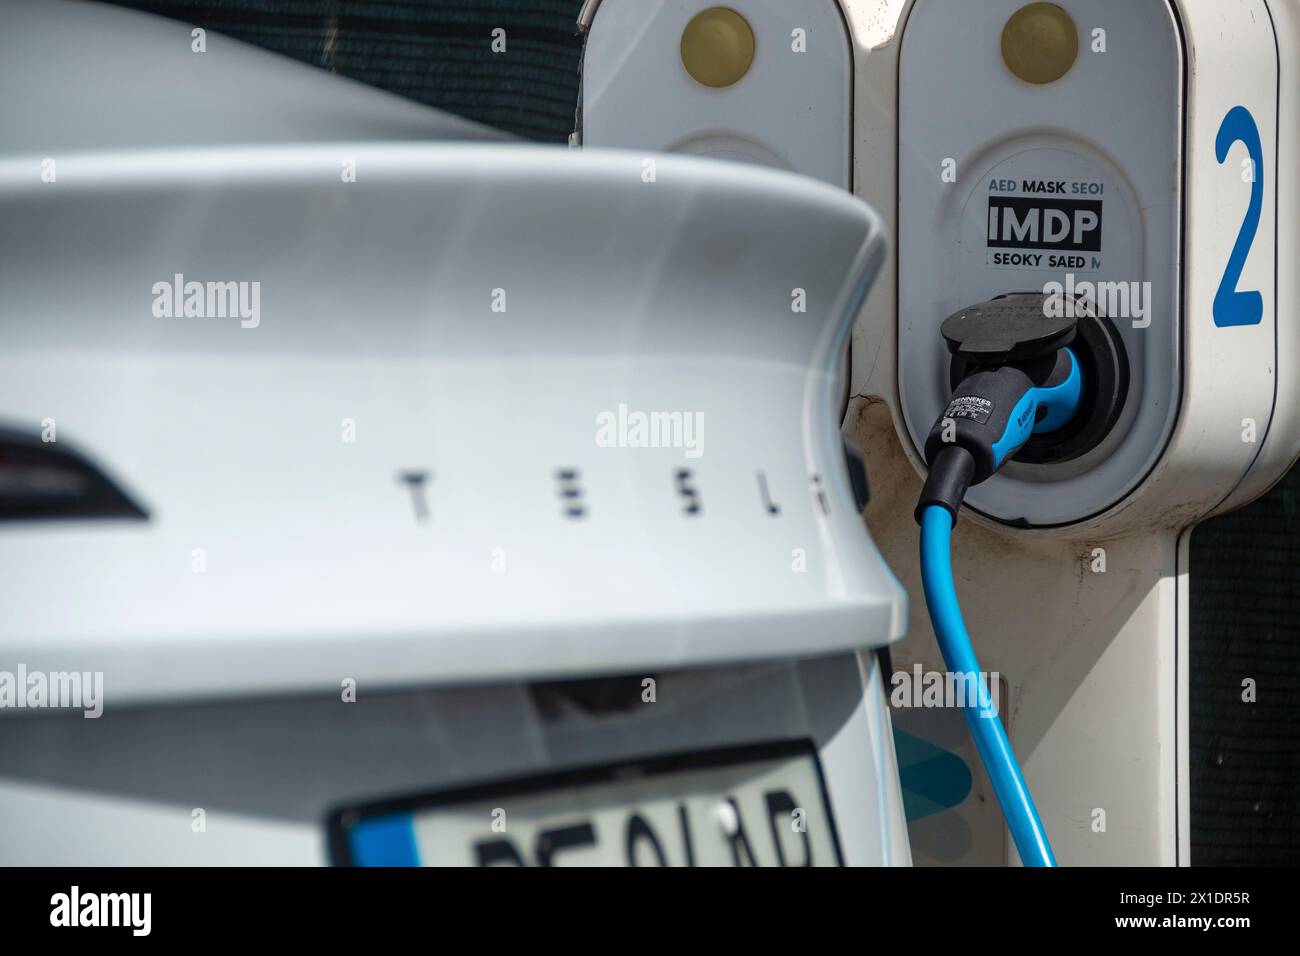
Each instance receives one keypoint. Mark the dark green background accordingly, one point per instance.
(1245, 757)
(437, 53)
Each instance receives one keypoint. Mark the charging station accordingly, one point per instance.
(1125, 162)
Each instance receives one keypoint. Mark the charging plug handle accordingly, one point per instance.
(1023, 379)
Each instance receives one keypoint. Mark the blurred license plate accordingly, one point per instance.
(763, 806)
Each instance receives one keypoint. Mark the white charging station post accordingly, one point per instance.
(1083, 611)
(1135, 151)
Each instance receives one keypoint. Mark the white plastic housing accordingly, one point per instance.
(1175, 219)
(790, 110)
(973, 154)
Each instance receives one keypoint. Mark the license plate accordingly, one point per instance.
(753, 806)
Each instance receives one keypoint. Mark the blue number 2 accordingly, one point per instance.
(1232, 307)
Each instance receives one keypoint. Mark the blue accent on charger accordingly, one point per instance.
(1061, 401)
(985, 726)
(384, 841)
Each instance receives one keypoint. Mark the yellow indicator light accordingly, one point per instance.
(717, 47)
(1040, 43)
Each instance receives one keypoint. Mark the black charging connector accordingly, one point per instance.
(1103, 360)
(1021, 378)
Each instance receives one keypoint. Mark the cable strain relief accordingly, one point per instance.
(946, 484)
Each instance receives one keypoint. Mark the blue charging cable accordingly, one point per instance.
(993, 413)
(985, 725)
